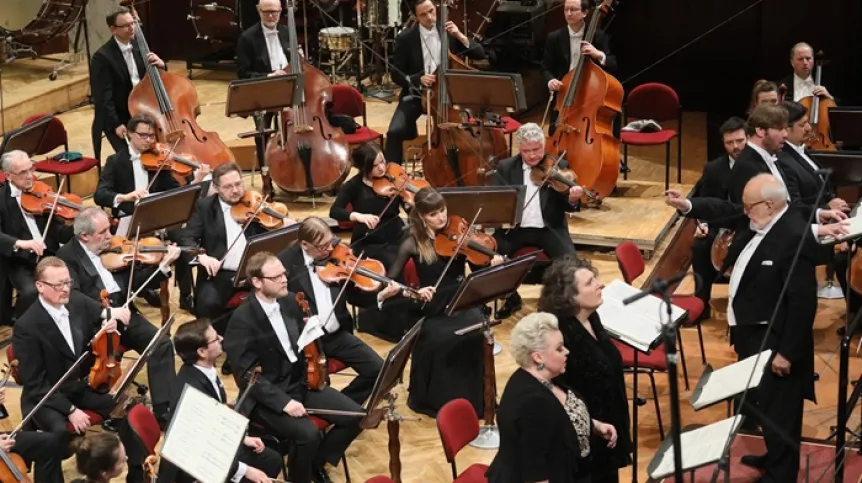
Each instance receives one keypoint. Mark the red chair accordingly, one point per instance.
(660, 103)
(348, 101)
(648, 364)
(380, 479)
(347, 225)
(2, 177)
(411, 276)
(542, 263)
(143, 423)
(458, 425)
(510, 125)
(236, 299)
(55, 137)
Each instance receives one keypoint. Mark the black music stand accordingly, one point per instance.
(502, 206)
(26, 138)
(845, 124)
(273, 242)
(479, 288)
(488, 91)
(256, 97)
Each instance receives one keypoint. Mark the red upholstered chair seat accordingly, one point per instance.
(647, 138)
(94, 420)
(363, 134)
(510, 125)
(542, 257)
(458, 425)
(348, 101)
(334, 365)
(475, 473)
(347, 225)
(66, 169)
(237, 298)
(655, 360)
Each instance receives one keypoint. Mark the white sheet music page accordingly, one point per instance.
(203, 437)
(854, 227)
(731, 380)
(639, 323)
(700, 447)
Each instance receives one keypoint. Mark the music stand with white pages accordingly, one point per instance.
(719, 385)
(700, 447)
(203, 437)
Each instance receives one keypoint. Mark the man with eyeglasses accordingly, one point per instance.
(313, 248)
(21, 233)
(116, 68)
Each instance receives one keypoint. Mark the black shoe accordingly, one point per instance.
(754, 461)
(512, 305)
(226, 369)
(187, 303)
(319, 475)
(152, 297)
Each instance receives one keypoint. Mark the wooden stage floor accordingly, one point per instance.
(638, 213)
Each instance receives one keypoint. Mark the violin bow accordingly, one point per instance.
(164, 162)
(139, 364)
(244, 228)
(457, 249)
(343, 288)
(547, 176)
(132, 265)
(253, 374)
(51, 213)
(550, 172)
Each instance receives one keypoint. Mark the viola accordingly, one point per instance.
(559, 179)
(150, 251)
(479, 248)
(41, 199)
(162, 157)
(318, 366)
(106, 369)
(397, 178)
(270, 215)
(369, 275)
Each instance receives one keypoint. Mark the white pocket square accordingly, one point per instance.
(767, 263)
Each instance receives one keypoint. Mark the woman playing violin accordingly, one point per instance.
(445, 366)
(357, 201)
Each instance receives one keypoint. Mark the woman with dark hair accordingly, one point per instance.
(572, 291)
(100, 457)
(445, 366)
(375, 229)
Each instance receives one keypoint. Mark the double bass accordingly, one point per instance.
(172, 101)
(308, 155)
(588, 102)
(818, 114)
(457, 153)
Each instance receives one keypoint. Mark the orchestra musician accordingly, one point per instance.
(543, 222)
(415, 61)
(315, 243)
(37, 447)
(198, 345)
(800, 83)
(264, 331)
(764, 93)
(82, 257)
(116, 68)
(100, 457)
(21, 243)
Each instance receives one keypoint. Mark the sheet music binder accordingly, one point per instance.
(700, 447)
(638, 324)
(719, 385)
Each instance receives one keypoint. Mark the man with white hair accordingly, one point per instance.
(543, 222)
(23, 238)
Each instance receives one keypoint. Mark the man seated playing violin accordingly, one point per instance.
(21, 232)
(198, 345)
(302, 259)
(34, 447)
(264, 331)
(543, 222)
(52, 334)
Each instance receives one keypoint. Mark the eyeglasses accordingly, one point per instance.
(332, 243)
(145, 135)
(271, 12)
(58, 285)
(749, 207)
(217, 339)
(276, 278)
(124, 26)
(26, 172)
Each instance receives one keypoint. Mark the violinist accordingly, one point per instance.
(445, 366)
(416, 58)
(82, 256)
(35, 446)
(800, 83)
(264, 331)
(114, 71)
(375, 231)
(313, 247)
(100, 457)
(21, 232)
(198, 345)
(543, 223)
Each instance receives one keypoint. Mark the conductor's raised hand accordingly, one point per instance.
(675, 199)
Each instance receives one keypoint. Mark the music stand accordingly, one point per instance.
(26, 138)
(479, 288)
(489, 91)
(257, 97)
(502, 206)
(845, 124)
(846, 169)
(273, 242)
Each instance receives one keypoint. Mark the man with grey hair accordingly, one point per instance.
(543, 222)
(23, 238)
(800, 83)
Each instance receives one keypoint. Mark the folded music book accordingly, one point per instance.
(854, 227)
(717, 385)
(638, 324)
(700, 447)
(203, 437)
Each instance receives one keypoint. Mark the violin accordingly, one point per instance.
(162, 157)
(369, 275)
(42, 199)
(150, 251)
(252, 205)
(318, 366)
(560, 179)
(106, 369)
(398, 178)
(479, 248)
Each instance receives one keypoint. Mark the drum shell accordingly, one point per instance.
(51, 19)
(216, 20)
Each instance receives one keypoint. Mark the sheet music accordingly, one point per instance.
(730, 380)
(854, 226)
(700, 447)
(203, 437)
(639, 323)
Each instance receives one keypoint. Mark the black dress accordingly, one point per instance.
(594, 370)
(380, 243)
(445, 366)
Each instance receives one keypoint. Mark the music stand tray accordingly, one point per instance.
(502, 206)
(491, 283)
(845, 124)
(164, 210)
(264, 94)
(26, 138)
(273, 242)
(490, 91)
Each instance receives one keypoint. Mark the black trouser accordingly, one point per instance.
(211, 295)
(701, 263)
(347, 348)
(781, 402)
(311, 448)
(402, 127)
(21, 275)
(161, 370)
(554, 242)
(43, 449)
(841, 262)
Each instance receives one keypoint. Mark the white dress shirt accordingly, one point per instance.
(322, 296)
(771, 161)
(61, 318)
(277, 59)
(210, 372)
(142, 179)
(28, 218)
(129, 57)
(107, 278)
(232, 229)
(532, 215)
(802, 87)
(273, 313)
(730, 161)
(430, 40)
(575, 39)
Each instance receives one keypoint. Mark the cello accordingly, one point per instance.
(588, 102)
(172, 101)
(457, 153)
(308, 155)
(818, 114)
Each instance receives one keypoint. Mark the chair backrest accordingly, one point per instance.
(347, 100)
(144, 424)
(630, 261)
(458, 424)
(55, 137)
(411, 276)
(652, 101)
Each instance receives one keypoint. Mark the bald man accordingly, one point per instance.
(800, 83)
